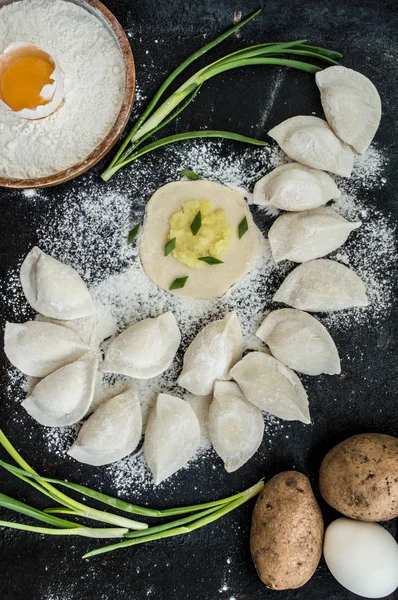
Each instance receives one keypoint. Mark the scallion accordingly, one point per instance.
(196, 223)
(169, 247)
(211, 260)
(153, 120)
(191, 175)
(203, 513)
(242, 227)
(178, 283)
(133, 234)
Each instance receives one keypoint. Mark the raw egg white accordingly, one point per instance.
(31, 84)
(363, 557)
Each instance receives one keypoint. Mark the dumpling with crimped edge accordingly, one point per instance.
(351, 104)
(272, 386)
(300, 342)
(92, 330)
(54, 289)
(145, 349)
(310, 141)
(210, 356)
(294, 187)
(171, 438)
(307, 235)
(112, 432)
(322, 285)
(37, 348)
(64, 397)
(236, 426)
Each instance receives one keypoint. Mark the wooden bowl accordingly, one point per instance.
(112, 24)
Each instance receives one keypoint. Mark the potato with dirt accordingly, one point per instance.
(359, 477)
(287, 532)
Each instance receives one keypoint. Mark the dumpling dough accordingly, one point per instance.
(53, 288)
(301, 237)
(144, 349)
(111, 432)
(300, 342)
(294, 187)
(210, 356)
(310, 141)
(64, 397)
(272, 386)
(236, 427)
(212, 281)
(38, 349)
(322, 285)
(351, 104)
(92, 330)
(171, 438)
(200, 406)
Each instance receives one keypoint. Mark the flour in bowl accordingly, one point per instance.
(94, 77)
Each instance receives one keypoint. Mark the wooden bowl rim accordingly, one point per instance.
(120, 123)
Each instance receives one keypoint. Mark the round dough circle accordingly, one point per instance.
(212, 281)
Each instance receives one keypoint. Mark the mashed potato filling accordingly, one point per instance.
(212, 239)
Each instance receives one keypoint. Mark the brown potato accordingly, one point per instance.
(287, 532)
(359, 477)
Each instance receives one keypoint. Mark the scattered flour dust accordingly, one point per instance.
(88, 227)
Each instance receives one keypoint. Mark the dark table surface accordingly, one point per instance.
(214, 563)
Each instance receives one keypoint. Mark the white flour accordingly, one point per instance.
(94, 75)
(88, 226)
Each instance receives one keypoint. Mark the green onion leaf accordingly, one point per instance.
(243, 227)
(133, 234)
(169, 247)
(25, 509)
(84, 531)
(196, 223)
(149, 109)
(81, 509)
(191, 175)
(211, 260)
(178, 283)
(202, 519)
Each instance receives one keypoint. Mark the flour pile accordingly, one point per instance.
(93, 76)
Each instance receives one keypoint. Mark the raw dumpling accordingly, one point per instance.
(92, 330)
(236, 427)
(210, 356)
(211, 281)
(54, 289)
(271, 386)
(64, 397)
(171, 438)
(38, 349)
(310, 141)
(294, 187)
(322, 285)
(301, 237)
(299, 341)
(351, 104)
(200, 406)
(145, 349)
(111, 432)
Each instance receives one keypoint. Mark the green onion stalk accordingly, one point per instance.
(151, 120)
(133, 532)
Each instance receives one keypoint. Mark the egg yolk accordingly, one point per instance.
(23, 81)
(212, 239)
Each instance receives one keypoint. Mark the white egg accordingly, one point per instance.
(25, 89)
(363, 557)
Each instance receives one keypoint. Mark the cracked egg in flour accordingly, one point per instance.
(31, 84)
